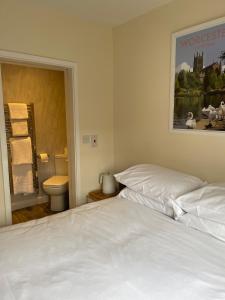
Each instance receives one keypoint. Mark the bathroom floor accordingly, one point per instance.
(31, 213)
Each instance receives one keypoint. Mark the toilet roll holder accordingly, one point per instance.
(43, 157)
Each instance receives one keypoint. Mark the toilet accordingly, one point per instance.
(57, 186)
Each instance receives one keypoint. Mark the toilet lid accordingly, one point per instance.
(56, 181)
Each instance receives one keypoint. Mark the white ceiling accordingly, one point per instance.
(112, 12)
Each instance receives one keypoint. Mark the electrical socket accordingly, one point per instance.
(94, 141)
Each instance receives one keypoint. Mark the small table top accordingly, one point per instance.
(99, 195)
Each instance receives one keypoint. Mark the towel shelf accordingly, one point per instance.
(31, 134)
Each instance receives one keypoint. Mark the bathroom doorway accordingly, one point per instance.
(47, 93)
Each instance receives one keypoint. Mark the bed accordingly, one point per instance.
(112, 249)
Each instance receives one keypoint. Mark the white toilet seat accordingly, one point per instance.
(52, 190)
(56, 182)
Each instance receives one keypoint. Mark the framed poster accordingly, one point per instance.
(198, 78)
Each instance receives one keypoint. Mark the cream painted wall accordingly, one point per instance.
(33, 29)
(142, 85)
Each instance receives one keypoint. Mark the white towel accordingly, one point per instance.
(22, 179)
(18, 111)
(21, 151)
(19, 128)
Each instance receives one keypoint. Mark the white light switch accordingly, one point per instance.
(86, 139)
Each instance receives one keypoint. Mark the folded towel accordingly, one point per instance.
(22, 179)
(21, 151)
(19, 128)
(18, 111)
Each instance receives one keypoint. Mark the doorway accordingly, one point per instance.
(23, 61)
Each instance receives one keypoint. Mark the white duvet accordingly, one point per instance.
(112, 249)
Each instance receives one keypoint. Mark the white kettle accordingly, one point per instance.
(107, 181)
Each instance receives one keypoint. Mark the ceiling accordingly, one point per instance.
(112, 12)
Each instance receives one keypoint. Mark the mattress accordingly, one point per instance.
(111, 249)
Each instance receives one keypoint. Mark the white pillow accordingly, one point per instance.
(157, 182)
(215, 229)
(154, 204)
(207, 202)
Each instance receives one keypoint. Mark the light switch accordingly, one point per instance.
(86, 139)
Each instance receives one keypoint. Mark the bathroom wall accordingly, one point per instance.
(44, 88)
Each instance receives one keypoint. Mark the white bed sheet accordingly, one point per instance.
(112, 249)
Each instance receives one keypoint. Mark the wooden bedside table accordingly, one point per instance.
(97, 195)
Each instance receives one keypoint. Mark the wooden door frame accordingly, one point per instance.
(72, 117)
